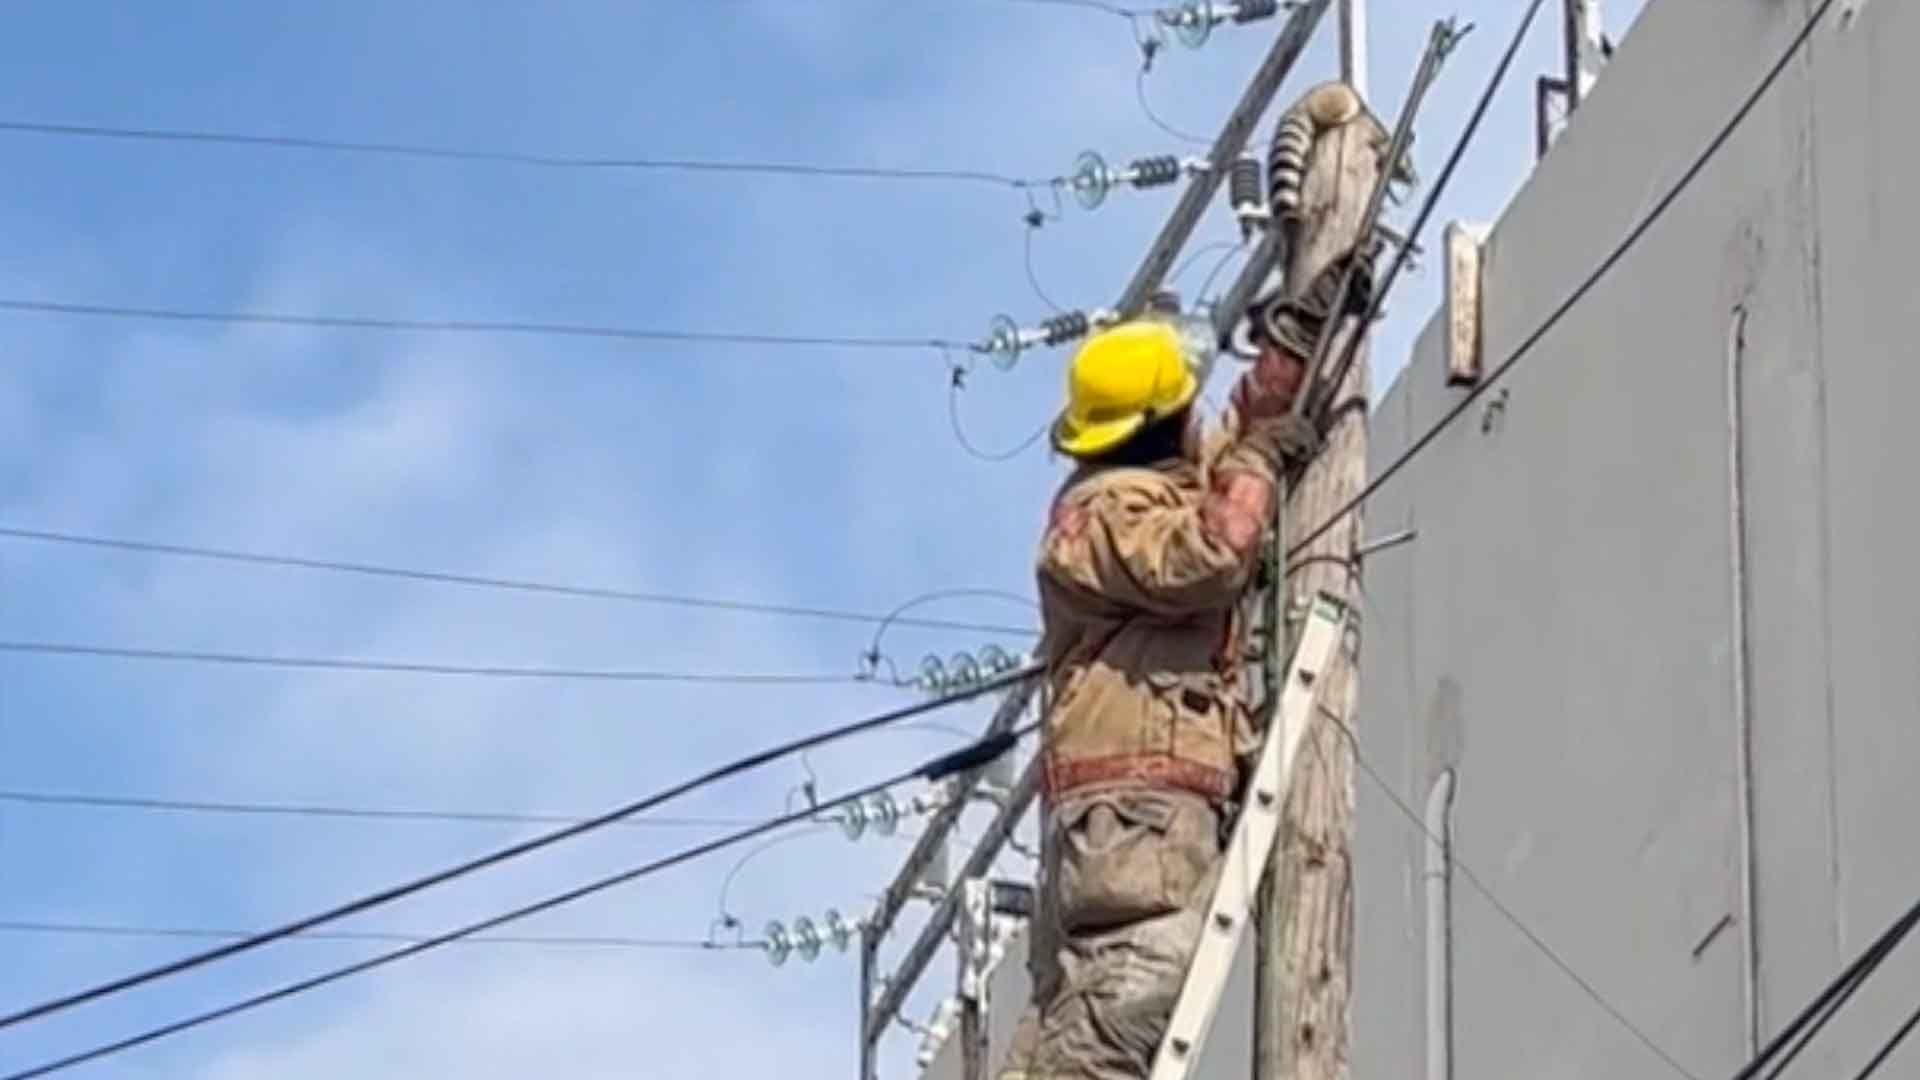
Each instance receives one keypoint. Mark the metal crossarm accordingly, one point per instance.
(1253, 839)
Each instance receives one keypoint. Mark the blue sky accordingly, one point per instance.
(809, 476)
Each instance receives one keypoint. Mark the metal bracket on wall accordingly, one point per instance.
(1254, 835)
(1464, 245)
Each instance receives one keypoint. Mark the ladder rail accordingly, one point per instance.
(1254, 835)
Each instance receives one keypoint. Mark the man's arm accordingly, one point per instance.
(1136, 542)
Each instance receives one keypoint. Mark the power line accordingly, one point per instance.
(351, 813)
(1892, 1044)
(439, 577)
(410, 667)
(973, 450)
(16, 926)
(24, 306)
(514, 157)
(974, 756)
(1802, 1029)
(501, 855)
(1580, 292)
(1091, 5)
(1500, 906)
(239, 808)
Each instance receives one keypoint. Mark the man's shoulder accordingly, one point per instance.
(1121, 485)
(1116, 492)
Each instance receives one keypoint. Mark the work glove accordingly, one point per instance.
(1296, 438)
(1275, 437)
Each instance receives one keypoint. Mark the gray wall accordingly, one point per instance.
(1562, 633)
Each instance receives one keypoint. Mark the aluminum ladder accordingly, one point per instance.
(1254, 834)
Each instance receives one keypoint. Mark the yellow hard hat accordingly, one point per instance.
(1121, 379)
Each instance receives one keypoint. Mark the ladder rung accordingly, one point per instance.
(1254, 835)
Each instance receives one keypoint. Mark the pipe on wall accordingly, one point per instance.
(1742, 677)
(1439, 884)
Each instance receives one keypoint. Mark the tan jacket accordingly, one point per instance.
(1141, 571)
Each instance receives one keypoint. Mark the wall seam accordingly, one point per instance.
(1824, 531)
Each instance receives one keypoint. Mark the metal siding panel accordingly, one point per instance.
(1388, 988)
(1571, 603)
(1868, 167)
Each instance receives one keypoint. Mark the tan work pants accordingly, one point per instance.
(1126, 879)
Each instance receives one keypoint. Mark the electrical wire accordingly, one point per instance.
(1146, 107)
(349, 813)
(1091, 5)
(511, 157)
(439, 577)
(971, 757)
(972, 449)
(1892, 1044)
(409, 667)
(17, 926)
(385, 896)
(813, 829)
(1579, 293)
(1033, 278)
(1201, 252)
(1486, 892)
(897, 617)
(1802, 1029)
(25, 306)
(1206, 286)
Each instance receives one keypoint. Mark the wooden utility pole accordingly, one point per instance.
(1302, 979)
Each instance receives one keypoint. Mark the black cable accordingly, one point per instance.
(1892, 1044)
(1816, 1017)
(17, 926)
(201, 806)
(396, 892)
(1620, 251)
(510, 157)
(20, 305)
(940, 767)
(409, 667)
(437, 577)
(1803, 1027)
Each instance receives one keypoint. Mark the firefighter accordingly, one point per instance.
(1148, 550)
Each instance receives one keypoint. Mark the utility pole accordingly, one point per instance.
(1302, 982)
